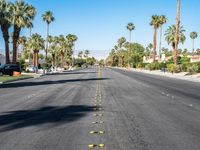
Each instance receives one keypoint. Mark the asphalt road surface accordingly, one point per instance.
(104, 108)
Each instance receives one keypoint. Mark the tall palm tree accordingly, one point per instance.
(193, 36)
(48, 18)
(177, 31)
(130, 27)
(171, 38)
(22, 14)
(5, 24)
(36, 43)
(155, 22)
(163, 20)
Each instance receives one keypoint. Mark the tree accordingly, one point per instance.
(177, 32)
(22, 41)
(130, 27)
(193, 36)
(36, 43)
(162, 20)
(5, 24)
(72, 39)
(48, 18)
(155, 22)
(22, 14)
(80, 54)
(171, 38)
(86, 53)
(150, 46)
(29, 26)
(120, 43)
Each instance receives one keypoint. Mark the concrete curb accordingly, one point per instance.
(16, 80)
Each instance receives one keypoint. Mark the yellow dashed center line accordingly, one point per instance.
(98, 103)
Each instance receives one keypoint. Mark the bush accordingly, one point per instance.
(173, 68)
(170, 68)
(193, 68)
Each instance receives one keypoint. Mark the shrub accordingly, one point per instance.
(193, 68)
(170, 68)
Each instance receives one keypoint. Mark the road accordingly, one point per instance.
(104, 108)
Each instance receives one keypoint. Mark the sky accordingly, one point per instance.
(100, 23)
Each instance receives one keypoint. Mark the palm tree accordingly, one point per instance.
(48, 18)
(120, 44)
(22, 41)
(36, 43)
(80, 54)
(30, 26)
(163, 20)
(72, 39)
(87, 52)
(171, 38)
(5, 24)
(177, 31)
(130, 27)
(193, 36)
(155, 22)
(22, 14)
(53, 49)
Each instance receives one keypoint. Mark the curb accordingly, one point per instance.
(16, 80)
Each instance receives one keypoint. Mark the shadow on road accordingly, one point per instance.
(25, 84)
(71, 73)
(56, 115)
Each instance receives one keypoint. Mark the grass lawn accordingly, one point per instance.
(13, 78)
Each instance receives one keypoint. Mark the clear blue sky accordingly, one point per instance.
(99, 23)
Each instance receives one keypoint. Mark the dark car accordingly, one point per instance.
(9, 68)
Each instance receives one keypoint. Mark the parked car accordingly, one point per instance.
(31, 69)
(8, 69)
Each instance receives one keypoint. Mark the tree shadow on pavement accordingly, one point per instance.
(71, 73)
(46, 115)
(38, 83)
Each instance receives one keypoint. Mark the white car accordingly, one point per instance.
(31, 68)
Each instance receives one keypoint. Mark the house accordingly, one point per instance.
(195, 58)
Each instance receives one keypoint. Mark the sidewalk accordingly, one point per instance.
(182, 75)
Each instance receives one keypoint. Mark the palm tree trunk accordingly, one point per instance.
(129, 52)
(62, 59)
(53, 60)
(15, 39)
(154, 45)
(160, 47)
(47, 43)
(4, 29)
(177, 32)
(30, 32)
(193, 47)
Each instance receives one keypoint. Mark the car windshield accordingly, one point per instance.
(2, 66)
